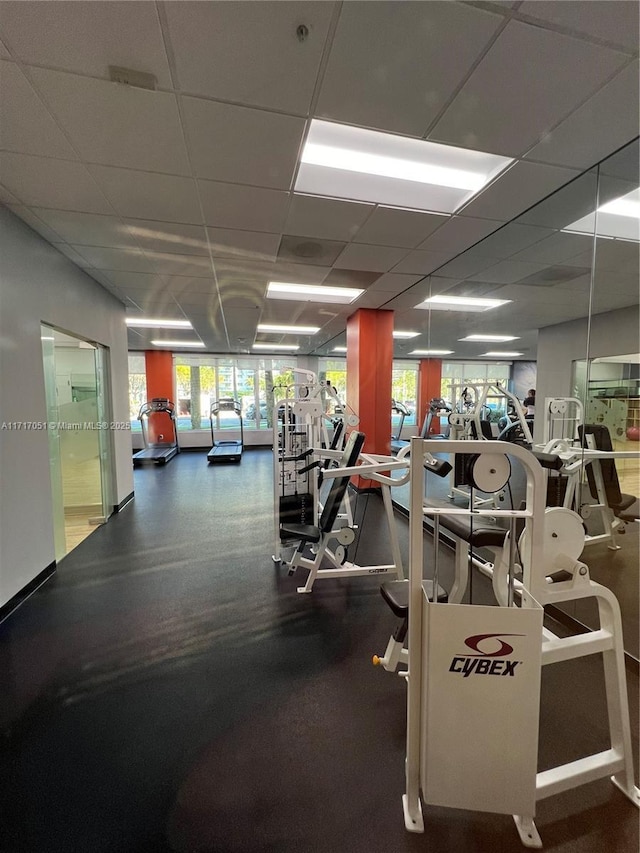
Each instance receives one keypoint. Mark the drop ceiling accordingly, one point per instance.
(180, 200)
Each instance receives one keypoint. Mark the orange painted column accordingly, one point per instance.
(429, 386)
(369, 376)
(159, 374)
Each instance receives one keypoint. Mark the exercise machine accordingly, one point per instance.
(397, 442)
(226, 450)
(157, 452)
(477, 669)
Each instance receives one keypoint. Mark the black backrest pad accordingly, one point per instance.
(602, 439)
(339, 484)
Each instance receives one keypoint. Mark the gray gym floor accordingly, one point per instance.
(168, 690)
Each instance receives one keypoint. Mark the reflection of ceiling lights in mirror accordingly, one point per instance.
(618, 219)
(278, 347)
(495, 354)
(288, 330)
(177, 344)
(312, 292)
(158, 324)
(405, 335)
(431, 352)
(339, 349)
(496, 339)
(369, 166)
(460, 303)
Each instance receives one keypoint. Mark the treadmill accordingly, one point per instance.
(158, 452)
(229, 450)
(396, 442)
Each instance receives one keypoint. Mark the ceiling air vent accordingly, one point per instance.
(303, 250)
(130, 77)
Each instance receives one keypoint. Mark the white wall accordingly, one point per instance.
(38, 284)
(612, 333)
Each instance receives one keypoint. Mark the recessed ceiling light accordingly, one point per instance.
(369, 166)
(461, 303)
(288, 330)
(618, 219)
(177, 344)
(279, 347)
(405, 335)
(312, 292)
(502, 354)
(431, 352)
(496, 339)
(158, 324)
(339, 349)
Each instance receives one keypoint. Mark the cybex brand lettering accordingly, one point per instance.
(481, 664)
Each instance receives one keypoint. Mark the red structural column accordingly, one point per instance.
(429, 386)
(369, 376)
(159, 373)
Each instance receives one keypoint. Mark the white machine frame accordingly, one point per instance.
(541, 553)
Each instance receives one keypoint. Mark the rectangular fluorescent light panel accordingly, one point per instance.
(158, 324)
(618, 219)
(339, 349)
(405, 336)
(312, 292)
(502, 354)
(279, 347)
(492, 339)
(369, 166)
(431, 352)
(178, 344)
(461, 303)
(288, 330)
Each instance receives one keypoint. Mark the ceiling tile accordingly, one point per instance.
(249, 52)
(27, 125)
(149, 282)
(359, 256)
(510, 239)
(169, 236)
(525, 85)
(116, 125)
(7, 197)
(101, 258)
(87, 37)
(169, 263)
(237, 206)
(4, 53)
(87, 229)
(27, 215)
(422, 262)
(506, 272)
(71, 253)
(351, 278)
(517, 189)
(554, 249)
(61, 184)
(379, 47)
(605, 122)
(309, 251)
(179, 284)
(392, 226)
(459, 233)
(242, 145)
(472, 261)
(250, 245)
(144, 195)
(618, 24)
(330, 219)
(392, 282)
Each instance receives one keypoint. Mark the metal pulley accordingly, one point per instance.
(488, 472)
(558, 407)
(563, 539)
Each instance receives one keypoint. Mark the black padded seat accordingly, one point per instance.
(477, 534)
(302, 532)
(396, 594)
(617, 500)
(631, 512)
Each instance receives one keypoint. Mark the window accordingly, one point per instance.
(404, 389)
(457, 375)
(137, 389)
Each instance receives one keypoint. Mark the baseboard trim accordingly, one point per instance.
(123, 503)
(27, 591)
